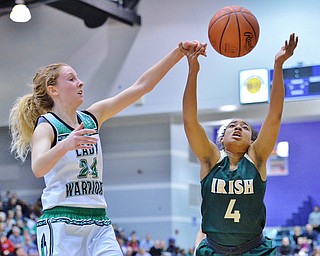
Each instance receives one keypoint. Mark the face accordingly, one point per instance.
(68, 87)
(237, 133)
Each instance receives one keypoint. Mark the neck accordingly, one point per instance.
(68, 116)
(234, 158)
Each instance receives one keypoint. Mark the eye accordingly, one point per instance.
(245, 127)
(231, 125)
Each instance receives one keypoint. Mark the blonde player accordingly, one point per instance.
(66, 152)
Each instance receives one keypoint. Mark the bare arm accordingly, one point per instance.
(107, 108)
(264, 144)
(200, 236)
(43, 157)
(206, 151)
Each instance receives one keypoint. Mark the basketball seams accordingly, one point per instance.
(218, 19)
(231, 28)
(249, 23)
(239, 35)
(223, 31)
(235, 10)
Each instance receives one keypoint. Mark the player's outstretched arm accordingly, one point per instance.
(269, 131)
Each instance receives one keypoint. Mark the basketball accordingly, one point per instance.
(233, 31)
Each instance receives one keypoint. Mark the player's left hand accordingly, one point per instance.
(287, 50)
(194, 44)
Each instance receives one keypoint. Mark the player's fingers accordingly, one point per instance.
(88, 132)
(87, 140)
(198, 47)
(79, 127)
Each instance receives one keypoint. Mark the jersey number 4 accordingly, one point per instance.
(231, 213)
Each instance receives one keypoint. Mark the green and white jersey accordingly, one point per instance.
(233, 211)
(76, 179)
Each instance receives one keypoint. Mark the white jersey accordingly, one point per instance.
(76, 179)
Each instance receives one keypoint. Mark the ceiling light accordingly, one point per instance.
(283, 149)
(20, 12)
(228, 108)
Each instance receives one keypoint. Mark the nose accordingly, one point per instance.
(238, 127)
(80, 84)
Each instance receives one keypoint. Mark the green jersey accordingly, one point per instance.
(233, 211)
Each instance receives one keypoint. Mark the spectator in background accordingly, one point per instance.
(133, 242)
(296, 234)
(179, 252)
(37, 208)
(143, 252)
(314, 218)
(6, 200)
(316, 252)
(1, 205)
(13, 201)
(147, 243)
(25, 209)
(129, 251)
(121, 235)
(18, 213)
(6, 246)
(302, 247)
(190, 252)
(172, 248)
(3, 216)
(311, 236)
(29, 246)
(123, 246)
(20, 252)
(156, 249)
(285, 248)
(10, 219)
(2, 229)
(31, 224)
(16, 237)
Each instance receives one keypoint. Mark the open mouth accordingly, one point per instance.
(236, 135)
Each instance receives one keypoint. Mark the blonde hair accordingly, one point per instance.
(28, 108)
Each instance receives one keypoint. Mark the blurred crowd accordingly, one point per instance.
(18, 222)
(132, 245)
(304, 241)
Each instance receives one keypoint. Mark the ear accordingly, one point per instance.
(222, 141)
(52, 90)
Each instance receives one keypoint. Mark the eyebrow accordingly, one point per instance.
(71, 73)
(242, 122)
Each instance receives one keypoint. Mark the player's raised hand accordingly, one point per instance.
(194, 45)
(287, 50)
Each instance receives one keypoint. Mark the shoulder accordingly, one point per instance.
(207, 166)
(45, 123)
(89, 119)
(43, 129)
(48, 118)
(258, 161)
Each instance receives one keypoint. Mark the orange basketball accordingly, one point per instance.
(233, 31)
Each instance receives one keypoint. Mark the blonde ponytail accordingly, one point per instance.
(27, 109)
(22, 120)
